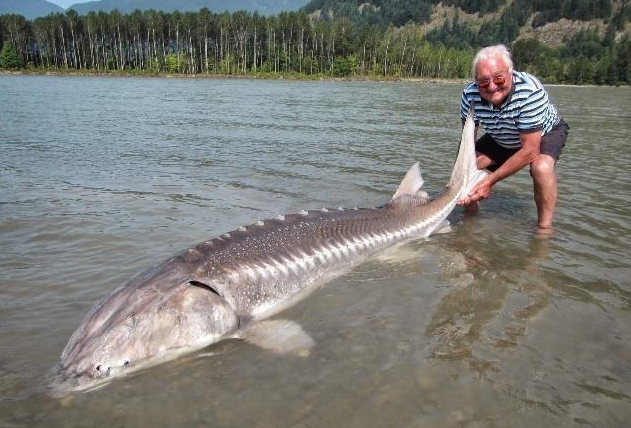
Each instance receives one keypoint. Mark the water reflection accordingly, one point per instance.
(492, 302)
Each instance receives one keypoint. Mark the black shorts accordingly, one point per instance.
(551, 144)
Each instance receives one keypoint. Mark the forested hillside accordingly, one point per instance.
(571, 41)
(512, 12)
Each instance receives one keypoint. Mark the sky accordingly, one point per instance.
(66, 3)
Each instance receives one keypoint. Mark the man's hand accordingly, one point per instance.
(480, 191)
(529, 151)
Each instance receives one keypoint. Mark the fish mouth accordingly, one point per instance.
(68, 382)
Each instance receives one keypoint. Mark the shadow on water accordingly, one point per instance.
(482, 287)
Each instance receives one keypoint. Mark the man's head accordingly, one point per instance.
(491, 69)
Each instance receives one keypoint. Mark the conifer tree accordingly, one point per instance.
(10, 57)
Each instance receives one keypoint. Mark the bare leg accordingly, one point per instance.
(482, 162)
(545, 189)
(472, 207)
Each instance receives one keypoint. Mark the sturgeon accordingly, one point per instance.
(218, 288)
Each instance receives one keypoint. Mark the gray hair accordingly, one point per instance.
(492, 52)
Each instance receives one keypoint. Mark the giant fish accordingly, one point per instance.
(221, 287)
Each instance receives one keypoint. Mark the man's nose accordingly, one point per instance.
(492, 86)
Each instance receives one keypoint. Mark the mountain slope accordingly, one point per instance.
(30, 9)
(474, 23)
(266, 7)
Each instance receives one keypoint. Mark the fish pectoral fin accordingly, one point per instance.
(399, 252)
(279, 336)
(444, 227)
(411, 184)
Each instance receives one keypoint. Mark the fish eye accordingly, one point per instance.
(126, 363)
(98, 368)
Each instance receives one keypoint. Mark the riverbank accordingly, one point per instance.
(269, 76)
(263, 76)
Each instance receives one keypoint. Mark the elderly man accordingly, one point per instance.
(522, 128)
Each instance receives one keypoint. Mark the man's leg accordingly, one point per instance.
(545, 188)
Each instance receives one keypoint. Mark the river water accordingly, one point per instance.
(484, 326)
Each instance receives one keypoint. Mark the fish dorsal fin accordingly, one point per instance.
(412, 182)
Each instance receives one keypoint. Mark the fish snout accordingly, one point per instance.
(102, 370)
(105, 370)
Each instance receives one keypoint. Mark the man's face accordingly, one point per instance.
(494, 80)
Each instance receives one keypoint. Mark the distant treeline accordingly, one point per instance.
(237, 43)
(289, 43)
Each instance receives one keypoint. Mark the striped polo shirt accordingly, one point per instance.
(526, 109)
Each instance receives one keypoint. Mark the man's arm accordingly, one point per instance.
(529, 151)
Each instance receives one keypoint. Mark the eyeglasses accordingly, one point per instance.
(499, 80)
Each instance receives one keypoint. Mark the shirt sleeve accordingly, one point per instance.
(465, 103)
(464, 106)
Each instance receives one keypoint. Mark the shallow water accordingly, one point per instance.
(483, 326)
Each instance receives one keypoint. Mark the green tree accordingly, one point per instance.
(580, 71)
(10, 57)
(174, 63)
(549, 67)
(526, 52)
(344, 66)
(623, 61)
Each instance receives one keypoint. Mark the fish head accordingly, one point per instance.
(94, 358)
(113, 341)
